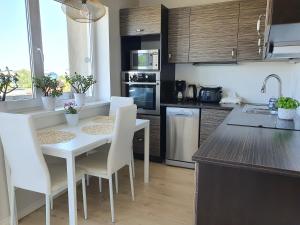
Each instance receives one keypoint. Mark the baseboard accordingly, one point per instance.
(25, 211)
(31, 208)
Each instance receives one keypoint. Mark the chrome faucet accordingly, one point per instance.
(264, 87)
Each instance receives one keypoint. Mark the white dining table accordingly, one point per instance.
(83, 143)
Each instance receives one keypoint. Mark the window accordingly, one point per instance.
(66, 43)
(59, 46)
(55, 41)
(14, 47)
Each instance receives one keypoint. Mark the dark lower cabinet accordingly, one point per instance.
(238, 196)
(210, 120)
(138, 140)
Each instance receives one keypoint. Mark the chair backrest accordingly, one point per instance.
(117, 102)
(120, 150)
(28, 169)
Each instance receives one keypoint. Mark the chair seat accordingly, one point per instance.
(96, 163)
(59, 178)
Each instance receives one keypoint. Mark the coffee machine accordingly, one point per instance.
(180, 90)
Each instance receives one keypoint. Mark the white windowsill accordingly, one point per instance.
(35, 106)
(38, 112)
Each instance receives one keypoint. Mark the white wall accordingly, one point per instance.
(102, 57)
(108, 49)
(245, 78)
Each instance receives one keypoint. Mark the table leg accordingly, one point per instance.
(146, 153)
(72, 190)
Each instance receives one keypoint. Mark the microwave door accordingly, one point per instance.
(141, 61)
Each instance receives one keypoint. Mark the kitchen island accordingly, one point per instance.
(248, 176)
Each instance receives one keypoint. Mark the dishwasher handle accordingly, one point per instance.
(183, 114)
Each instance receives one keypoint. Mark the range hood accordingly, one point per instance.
(282, 39)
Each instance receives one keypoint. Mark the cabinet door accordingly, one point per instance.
(213, 32)
(140, 21)
(179, 35)
(138, 141)
(210, 120)
(250, 40)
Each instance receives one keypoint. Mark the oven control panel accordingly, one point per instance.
(138, 77)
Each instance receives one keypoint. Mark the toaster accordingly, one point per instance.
(210, 94)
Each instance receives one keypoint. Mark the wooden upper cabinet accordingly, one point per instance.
(249, 45)
(179, 35)
(140, 21)
(213, 32)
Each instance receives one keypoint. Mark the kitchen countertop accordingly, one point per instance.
(261, 149)
(199, 105)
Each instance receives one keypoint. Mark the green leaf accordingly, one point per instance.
(80, 83)
(287, 103)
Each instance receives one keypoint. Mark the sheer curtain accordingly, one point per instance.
(80, 39)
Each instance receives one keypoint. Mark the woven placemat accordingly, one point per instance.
(104, 119)
(106, 128)
(54, 136)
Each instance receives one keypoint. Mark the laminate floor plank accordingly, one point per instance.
(167, 200)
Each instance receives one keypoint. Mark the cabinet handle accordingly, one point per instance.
(233, 53)
(139, 30)
(258, 25)
(140, 139)
(259, 42)
(260, 51)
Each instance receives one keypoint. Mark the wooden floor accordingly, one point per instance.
(167, 200)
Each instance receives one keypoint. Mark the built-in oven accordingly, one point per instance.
(144, 88)
(144, 59)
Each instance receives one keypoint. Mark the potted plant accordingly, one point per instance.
(51, 89)
(8, 83)
(71, 113)
(80, 84)
(287, 108)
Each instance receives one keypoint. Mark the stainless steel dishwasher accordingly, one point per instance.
(182, 136)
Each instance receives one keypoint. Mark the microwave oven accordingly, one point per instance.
(144, 59)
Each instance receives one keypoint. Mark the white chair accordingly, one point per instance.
(27, 168)
(104, 164)
(115, 104)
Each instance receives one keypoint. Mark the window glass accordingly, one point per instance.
(66, 43)
(55, 41)
(14, 47)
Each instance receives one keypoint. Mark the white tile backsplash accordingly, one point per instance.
(245, 78)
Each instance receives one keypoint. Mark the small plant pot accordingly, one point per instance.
(48, 103)
(286, 114)
(79, 99)
(72, 119)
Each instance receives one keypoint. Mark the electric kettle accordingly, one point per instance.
(192, 92)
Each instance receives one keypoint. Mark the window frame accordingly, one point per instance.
(36, 58)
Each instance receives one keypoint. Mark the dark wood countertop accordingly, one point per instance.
(199, 105)
(267, 150)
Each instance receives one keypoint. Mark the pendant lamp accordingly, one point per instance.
(83, 11)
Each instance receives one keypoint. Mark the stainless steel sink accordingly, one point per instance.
(260, 116)
(257, 109)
